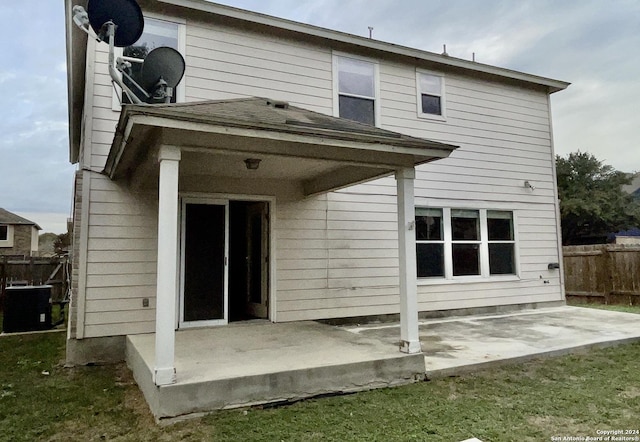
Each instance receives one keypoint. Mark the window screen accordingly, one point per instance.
(356, 90)
(157, 33)
(465, 235)
(429, 242)
(501, 243)
(430, 93)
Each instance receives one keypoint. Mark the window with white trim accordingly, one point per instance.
(429, 242)
(356, 89)
(459, 243)
(157, 33)
(6, 235)
(465, 242)
(502, 244)
(431, 100)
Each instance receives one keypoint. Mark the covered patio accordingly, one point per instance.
(258, 148)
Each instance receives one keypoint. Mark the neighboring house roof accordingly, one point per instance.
(76, 51)
(7, 217)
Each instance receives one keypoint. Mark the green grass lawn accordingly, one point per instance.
(614, 307)
(533, 401)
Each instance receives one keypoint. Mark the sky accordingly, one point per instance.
(594, 44)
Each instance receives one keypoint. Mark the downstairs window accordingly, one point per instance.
(459, 243)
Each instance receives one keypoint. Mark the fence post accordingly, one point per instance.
(607, 269)
(3, 280)
(31, 278)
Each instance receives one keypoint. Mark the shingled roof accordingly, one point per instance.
(267, 114)
(7, 217)
(345, 152)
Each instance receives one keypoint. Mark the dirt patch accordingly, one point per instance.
(630, 392)
(554, 423)
(134, 401)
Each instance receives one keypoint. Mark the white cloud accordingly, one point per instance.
(7, 76)
(50, 222)
(497, 48)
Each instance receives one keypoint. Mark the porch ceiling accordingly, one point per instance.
(319, 152)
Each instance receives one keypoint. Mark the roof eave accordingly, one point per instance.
(76, 52)
(423, 150)
(144, 110)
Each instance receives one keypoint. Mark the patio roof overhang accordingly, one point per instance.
(159, 144)
(319, 152)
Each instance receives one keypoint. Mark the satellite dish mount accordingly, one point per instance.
(120, 23)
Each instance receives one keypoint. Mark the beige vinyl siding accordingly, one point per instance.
(223, 62)
(353, 270)
(121, 260)
(301, 251)
(504, 139)
(326, 267)
(104, 118)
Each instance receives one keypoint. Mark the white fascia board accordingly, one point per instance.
(366, 143)
(76, 52)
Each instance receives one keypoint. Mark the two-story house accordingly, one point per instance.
(18, 235)
(301, 174)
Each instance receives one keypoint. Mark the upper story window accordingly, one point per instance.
(431, 100)
(157, 33)
(456, 243)
(356, 84)
(4, 233)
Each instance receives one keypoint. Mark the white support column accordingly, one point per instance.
(164, 371)
(409, 335)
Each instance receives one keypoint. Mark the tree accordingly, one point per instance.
(62, 243)
(45, 242)
(592, 202)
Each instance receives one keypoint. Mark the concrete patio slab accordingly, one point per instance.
(260, 362)
(457, 345)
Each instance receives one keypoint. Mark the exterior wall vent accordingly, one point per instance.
(278, 104)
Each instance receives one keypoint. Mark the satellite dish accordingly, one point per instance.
(120, 22)
(125, 14)
(163, 62)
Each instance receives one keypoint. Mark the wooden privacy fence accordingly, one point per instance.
(20, 271)
(603, 273)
